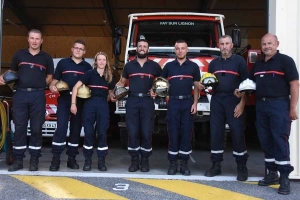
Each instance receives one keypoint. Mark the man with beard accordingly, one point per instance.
(277, 91)
(230, 70)
(139, 106)
(182, 74)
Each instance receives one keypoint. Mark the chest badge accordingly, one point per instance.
(181, 78)
(261, 75)
(31, 66)
(142, 76)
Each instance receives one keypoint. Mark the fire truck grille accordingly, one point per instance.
(53, 115)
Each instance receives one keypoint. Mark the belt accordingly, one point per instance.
(65, 92)
(98, 96)
(224, 93)
(181, 97)
(139, 94)
(272, 98)
(30, 89)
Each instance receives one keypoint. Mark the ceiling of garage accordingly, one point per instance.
(97, 18)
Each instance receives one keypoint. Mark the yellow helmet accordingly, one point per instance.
(62, 86)
(209, 79)
(84, 92)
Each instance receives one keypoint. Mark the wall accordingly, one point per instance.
(58, 47)
(284, 20)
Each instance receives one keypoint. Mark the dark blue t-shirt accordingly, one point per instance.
(141, 78)
(230, 73)
(32, 69)
(70, 72)
(181, 77)
(273, 77)
(98, 85)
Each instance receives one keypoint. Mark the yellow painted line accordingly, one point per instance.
(194, 190)
(66, 188)
(272, 186)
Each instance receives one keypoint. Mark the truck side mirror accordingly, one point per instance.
(236, 37)
(117, 46)
(119, 31)
(117, 41)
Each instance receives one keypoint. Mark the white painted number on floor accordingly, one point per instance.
(121, 186)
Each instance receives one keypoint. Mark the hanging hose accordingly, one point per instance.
(3, 125)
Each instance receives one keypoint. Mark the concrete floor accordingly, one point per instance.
(118, 161)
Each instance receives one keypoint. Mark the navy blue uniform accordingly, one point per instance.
(96, 109)
(179, 117)
(70, 72)
(230, 73)
(29, 101)
(140, 106)
(272, 109)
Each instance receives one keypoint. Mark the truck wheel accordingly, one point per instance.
(123, 137)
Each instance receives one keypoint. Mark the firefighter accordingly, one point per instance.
(96, 109)
(69, 70)
(182, 74)
(35, 69)
(230, 70)
(139, 106)
(277, 91)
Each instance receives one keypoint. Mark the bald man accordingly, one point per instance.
(277, 91)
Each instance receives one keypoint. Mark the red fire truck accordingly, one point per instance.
(161, 30)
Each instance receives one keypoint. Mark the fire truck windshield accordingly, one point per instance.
(164, 33)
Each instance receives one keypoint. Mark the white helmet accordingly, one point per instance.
(248, 86)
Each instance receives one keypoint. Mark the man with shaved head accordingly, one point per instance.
(182, 74)
(277, 91)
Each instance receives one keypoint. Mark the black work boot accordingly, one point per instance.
(16, 165)
(55, 163)
(284, 187)
(172, 167)
(87, 164)
(214, 170)
(135, 162)
(34, 163)
(145, 164)
(184, 170)
(72, 163)
(101, 164)
(270, 179)
(242, 172)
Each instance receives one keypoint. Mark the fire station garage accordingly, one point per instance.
(105, 26)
